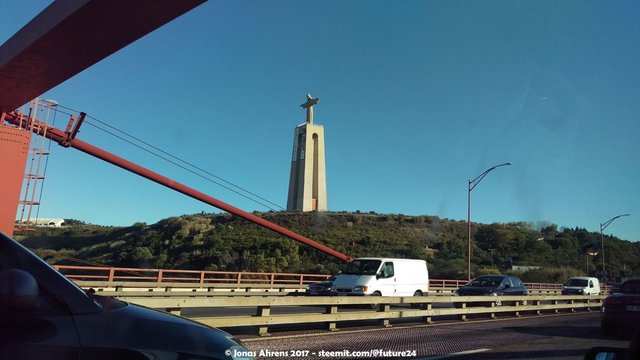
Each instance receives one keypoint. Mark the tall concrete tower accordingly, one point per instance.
(308, 179)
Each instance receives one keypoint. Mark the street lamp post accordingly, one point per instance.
(602, 227)
(472, 185)
(589, 253)
(492, 250)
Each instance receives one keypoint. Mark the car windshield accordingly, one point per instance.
(362, 267)
(486, 281)
(577, 282)
(630, 287)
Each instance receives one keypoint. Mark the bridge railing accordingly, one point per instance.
(109, 276)
(116, 274)
(263, 312)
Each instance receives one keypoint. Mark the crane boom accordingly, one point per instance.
(67, 139)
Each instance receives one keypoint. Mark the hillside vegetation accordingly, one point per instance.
(225, 242)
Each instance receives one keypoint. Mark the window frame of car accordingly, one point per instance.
(55, 288)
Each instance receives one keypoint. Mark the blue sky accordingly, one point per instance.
(416, 97)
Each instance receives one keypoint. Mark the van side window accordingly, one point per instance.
(591, 283)
(387, 270)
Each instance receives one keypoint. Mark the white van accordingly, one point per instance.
(383, 277)
(581, 285)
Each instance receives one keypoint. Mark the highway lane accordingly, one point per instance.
(549, 337)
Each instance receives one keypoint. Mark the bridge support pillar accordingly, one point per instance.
(332, 309)
(263, 311)
(463, 317)
(427, 319)
(385, 308)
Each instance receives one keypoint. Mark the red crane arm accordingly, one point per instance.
(65, 139)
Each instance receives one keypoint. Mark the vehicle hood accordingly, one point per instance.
(476, 290)
(322, 284)
(627, 299)
(574, 287)
(123, 328)
(350, 281)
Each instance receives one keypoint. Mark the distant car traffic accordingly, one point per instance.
(321, 289)
(43, 315)
(492, 285)
(581, 285)
(622, 309)
(383, 277)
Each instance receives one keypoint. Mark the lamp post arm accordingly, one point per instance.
(472, 184)
(602, 227)
(608, 222)
(476, 181)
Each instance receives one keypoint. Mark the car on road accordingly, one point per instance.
(492, 285)
(581, 285)
(322, 288)
(371, 276)
(621, 311)
(43, 315)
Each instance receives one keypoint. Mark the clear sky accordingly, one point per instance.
(416, 97)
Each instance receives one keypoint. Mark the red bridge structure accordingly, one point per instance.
(63, 40)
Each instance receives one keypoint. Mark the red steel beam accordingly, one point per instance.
(69, 36)
(62, 138)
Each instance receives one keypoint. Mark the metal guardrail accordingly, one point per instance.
(111, 276)
(148, 289)
(339, 309)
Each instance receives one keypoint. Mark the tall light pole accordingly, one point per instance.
(492, 250)
(602, 227)
(472, 185)
(589, 253)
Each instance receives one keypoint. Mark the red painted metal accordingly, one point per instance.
(69, 36)
(14, 150)
(60, 137)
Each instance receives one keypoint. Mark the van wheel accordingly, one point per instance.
(414, 305)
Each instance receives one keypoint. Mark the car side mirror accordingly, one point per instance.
(506, 286)
(18, 290)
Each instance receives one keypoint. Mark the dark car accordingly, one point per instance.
(323, 288)
(43, 315)
(622, 309)
(493, 285)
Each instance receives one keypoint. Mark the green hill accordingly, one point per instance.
(229, 243)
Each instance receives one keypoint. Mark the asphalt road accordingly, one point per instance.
(549, 337)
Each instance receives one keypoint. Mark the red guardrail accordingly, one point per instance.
(112, 274)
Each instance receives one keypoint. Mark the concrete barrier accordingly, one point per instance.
(341, 308)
